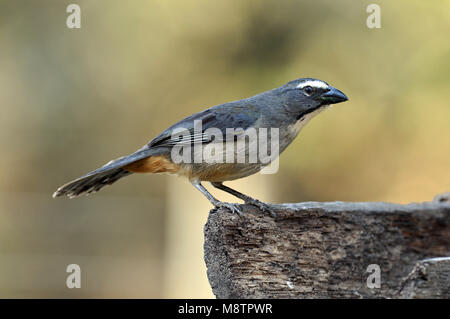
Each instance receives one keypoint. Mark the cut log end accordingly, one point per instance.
(430, 278)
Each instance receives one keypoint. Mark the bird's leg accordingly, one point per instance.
(217, 203)
(247, 199)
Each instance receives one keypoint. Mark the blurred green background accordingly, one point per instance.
(72, 99)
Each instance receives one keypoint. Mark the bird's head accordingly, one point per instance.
(307, 95)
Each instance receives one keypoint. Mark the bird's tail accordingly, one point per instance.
(105, 175)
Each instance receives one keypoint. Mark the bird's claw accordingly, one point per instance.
(234, 208)
(262, 206)
(231, 206)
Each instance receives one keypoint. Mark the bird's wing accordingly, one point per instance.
(222, 117)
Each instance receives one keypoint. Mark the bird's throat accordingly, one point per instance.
(316, 110)
(304, 118)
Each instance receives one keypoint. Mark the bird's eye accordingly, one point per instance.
(308, 90)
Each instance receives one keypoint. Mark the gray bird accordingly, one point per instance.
(197, 147)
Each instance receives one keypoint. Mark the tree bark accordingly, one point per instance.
(430, 278)
(323, 250)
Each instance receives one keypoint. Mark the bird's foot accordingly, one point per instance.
(262, 206)
(231, 206)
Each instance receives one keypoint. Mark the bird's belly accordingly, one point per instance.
(220, 172)
(227, 161)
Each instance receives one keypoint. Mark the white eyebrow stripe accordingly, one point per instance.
(313, 83)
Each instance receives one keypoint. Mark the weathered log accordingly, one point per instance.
(323, 250)
(430, 278)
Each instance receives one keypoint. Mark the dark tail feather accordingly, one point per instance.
(105, 175)
(90, 184)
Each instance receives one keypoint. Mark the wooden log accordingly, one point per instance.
(322, 250)
(430, 278)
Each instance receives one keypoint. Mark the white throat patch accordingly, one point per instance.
(297, 127)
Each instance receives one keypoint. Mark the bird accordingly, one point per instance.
(219, 144)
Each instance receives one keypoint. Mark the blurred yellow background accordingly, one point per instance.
(72, 99)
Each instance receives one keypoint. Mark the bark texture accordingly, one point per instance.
(430, 278)
(323, 250)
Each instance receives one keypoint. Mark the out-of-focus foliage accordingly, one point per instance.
(71, 100)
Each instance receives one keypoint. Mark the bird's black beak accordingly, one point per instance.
(333, 96)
